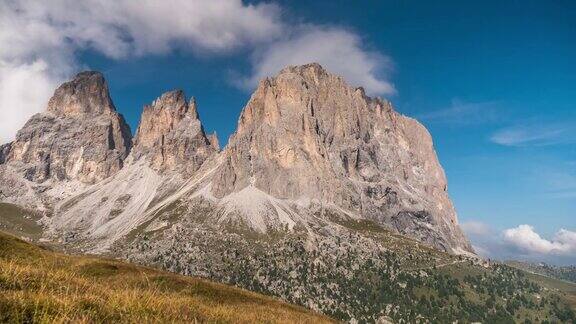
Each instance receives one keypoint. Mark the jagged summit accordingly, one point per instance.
(80, 138)
(317, 173)
(86, 93)
(314, 72)
(306, 135)
(176, 100)
(307, 144)
(313, 68)
(162, 116)
(171, 135)
(213, 138)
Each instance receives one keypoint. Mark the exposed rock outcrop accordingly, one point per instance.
(213, 138)
(169, 148)
(79, 137)
(171, 135)
(86, 94)
(306, 135)
(79, 140)
(308, 149)
(318, 176)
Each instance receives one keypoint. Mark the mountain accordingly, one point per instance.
(38, 285)
(567, 273)
(306, 136)
(79, 140)
(323, 197)
(402, 282)
(306, 143)
(171, 136)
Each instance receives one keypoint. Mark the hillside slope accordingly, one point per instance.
(355, 270)
(37, 285)
(345, 279)
(323, 197)
(566, 273)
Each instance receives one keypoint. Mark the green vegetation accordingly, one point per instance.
(566, 273)
(358, 271)
(38, 285)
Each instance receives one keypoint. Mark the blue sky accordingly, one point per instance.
(494, 82)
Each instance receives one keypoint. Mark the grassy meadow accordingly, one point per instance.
(41, 286)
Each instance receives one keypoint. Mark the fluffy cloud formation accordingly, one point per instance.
(123, 27)
(24, 90)
(40, 42)
(525, 238)
(521, 243)
(338, 50)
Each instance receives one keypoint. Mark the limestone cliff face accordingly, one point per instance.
(307, 145)
(171, 135)
(86, 94)
(305, 134)
(79, 137)
(213, 138)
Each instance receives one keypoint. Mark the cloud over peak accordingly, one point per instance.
(339, 51)
(17, 101)
(124, 27)
(41, 41)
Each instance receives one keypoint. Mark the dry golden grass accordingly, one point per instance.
(41, 286)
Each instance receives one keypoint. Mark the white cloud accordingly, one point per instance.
(567, 237)
(475, 228)
(525, 238)
(536, 134)
(338, 50)
(40, 39)
(521, 243)
(123, 27)
(23, 89)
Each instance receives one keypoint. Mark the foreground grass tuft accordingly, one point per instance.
(38, 285)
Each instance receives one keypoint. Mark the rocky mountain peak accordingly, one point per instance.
(171, 135)
(80, 138)
(305, 70)
(163, 116)
(307, 135)
(213, 138)
(175, 101)
(86, 94)
(309, 148)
